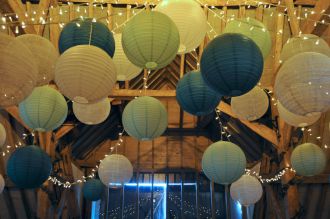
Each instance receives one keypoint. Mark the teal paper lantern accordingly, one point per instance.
(194, 96)
(29, 167)
(145, 118)
(93, 189)
(86, 32)
(223, 162)
(44, 110)
(231, 64)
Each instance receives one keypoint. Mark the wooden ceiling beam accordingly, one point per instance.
(294, 23)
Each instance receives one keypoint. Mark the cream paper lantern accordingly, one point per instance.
(85, 74)
(302, 84)
(252, 105)
(296, 120)
(247, 190)
(126, 70)
(2, 183)
(3, 135)
(18, 71)
(92, 113)
(304, 43)
(190, 19)
(45, 54)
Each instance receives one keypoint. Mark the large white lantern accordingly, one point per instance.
(190, 19)
(85, 74)
(115, 170)
(45, 55)
(3, 135)
(247, 190)
(18, 71)
(303, 84)
(252, 105)
(2, 183)
(92, 113)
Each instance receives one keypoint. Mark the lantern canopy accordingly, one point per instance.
(223, 162)
(231, 64)
(150, 40)
(85, 74)
(145, 118)
(2, 183)
(93, 189)
(3, 135)
(29, 167)
(189, 18)
(194, 96)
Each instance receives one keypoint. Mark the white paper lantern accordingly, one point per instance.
(190, 19)
(45, 55)
(303, 84)
(85, 74)
(247, 190)
(304, 43)
(3, 135)
(252, 105)
(18, 71)
(126, 70)
(115, 170)
(2, 183)
(92, 113)
(296, 120)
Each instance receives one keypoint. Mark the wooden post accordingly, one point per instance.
(212, 199)
(294, 23)
(227, 201)
(54, 28)
(110, 16)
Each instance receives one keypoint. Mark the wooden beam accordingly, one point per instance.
(130, 94)
(42, 13)
(294, 23)
(54, 29)
(65, 128)
(14, 112)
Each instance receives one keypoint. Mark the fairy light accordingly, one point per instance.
(277, 177)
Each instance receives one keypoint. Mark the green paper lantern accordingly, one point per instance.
(44, 110)
(93, 189)
(145, 118)
(150, 40)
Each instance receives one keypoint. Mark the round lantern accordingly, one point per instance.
(44, 110)
(231, 64)
(296, 120)
(18, 71)
(85, 74)
(304, 43)
(247, 190)
(253, 29)
(115, 170)
(150, 40)
(2, 183)
(308, 159)
(145, 118)
(3, 135)
(28, 167)
(194, 96)
(223, 162)
(252, 105)
(190, 19)
(125, 69)
(93, 189)
(92, 113)
(45, 55)
(302, 84)
(86, 32)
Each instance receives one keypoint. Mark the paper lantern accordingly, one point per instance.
(29, 167)
(253, 29)
(304, 43)
(3, 135)
(115, 170)
(296, 120)
(2, 183)
(302, 84)
(93, 189)
(18, 71)
(44, 110)
(223, 162)
(194, 96)
(92, 113)
(247, 190)
(145, 118)
(150, 40)
(86, 32)
(125, 69)
(189, 18)
(231, 64)
(45, 55)
(308, 159)
(85, 74)
(252, 105)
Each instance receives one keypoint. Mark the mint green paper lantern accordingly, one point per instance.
(145, 118)
(150, 40)
(44, 110)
